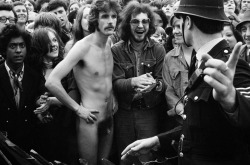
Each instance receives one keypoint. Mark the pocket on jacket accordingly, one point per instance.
(176, 80)
(128, 69)
(149, 66)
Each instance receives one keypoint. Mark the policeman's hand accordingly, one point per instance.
(143, 81)
(220, 76)
(140, 147)
(87, 114)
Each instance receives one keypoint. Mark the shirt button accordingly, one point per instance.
(142, 63)
(25, 106)
(25, 120)
(196, 98)
(181, 154)
(148, 65)
(8, 109)
(7, 121)
(225, 51)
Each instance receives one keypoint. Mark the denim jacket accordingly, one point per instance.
(125, 69)
(175, 75)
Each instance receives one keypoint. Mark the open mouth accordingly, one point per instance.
(53, 48)
(139, 32)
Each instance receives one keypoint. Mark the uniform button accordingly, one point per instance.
(225, 51)
(8, 109)
(142, 63)
(148, 65)
(25, 120)
(7, 121)
(196, 98)
(25, 106)
(181, 154)
(184, 116)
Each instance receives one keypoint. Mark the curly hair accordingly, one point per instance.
(39, 49)
(101, 6)
(11, 31)
(132, 9)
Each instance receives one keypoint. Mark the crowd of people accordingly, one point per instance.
(127, 81)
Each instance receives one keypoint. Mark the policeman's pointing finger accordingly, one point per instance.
(233, 59)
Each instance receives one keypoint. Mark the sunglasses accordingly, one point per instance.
(136, 22)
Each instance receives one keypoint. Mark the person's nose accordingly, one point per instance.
(175, 31)
(140, 24)
(7, 21)
(18, 49)
(248, 32)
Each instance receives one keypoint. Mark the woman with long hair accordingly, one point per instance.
(47, 51)
(80, 27)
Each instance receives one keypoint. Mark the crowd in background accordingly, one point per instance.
(42, 32)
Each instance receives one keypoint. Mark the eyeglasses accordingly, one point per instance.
(4, 19)
(136, 22)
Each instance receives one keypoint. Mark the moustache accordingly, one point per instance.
(110, 27)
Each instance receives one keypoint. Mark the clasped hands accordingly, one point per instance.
(42, 113)
(143, 83)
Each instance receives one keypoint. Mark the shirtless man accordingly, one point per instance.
(92, 63)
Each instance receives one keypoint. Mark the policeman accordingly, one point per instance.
(216, 122)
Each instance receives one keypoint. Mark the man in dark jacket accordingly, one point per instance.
(137, 76)
(20, 86)
(216, 128)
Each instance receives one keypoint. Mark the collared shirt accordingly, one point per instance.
(206, 48)
(20, 78)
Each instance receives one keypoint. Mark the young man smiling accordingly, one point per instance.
(92, 64)
(137, 77)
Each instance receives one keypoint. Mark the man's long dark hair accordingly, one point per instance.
(134, 8)
(97, 7)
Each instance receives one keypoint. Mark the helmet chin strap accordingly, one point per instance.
(183, 36)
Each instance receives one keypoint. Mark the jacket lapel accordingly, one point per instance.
(6, 85)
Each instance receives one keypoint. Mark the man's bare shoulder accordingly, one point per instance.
(81, 47)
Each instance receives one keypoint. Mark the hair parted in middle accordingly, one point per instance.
(101, 6)
(132, 9)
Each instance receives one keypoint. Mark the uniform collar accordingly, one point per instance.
(206, 48)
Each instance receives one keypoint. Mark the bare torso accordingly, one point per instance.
(93, 75)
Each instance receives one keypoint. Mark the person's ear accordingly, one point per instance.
(189, 22)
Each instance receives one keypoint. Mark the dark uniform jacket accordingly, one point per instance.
(19, 122)
(209, 133)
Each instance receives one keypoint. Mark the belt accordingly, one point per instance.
(140, 104)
